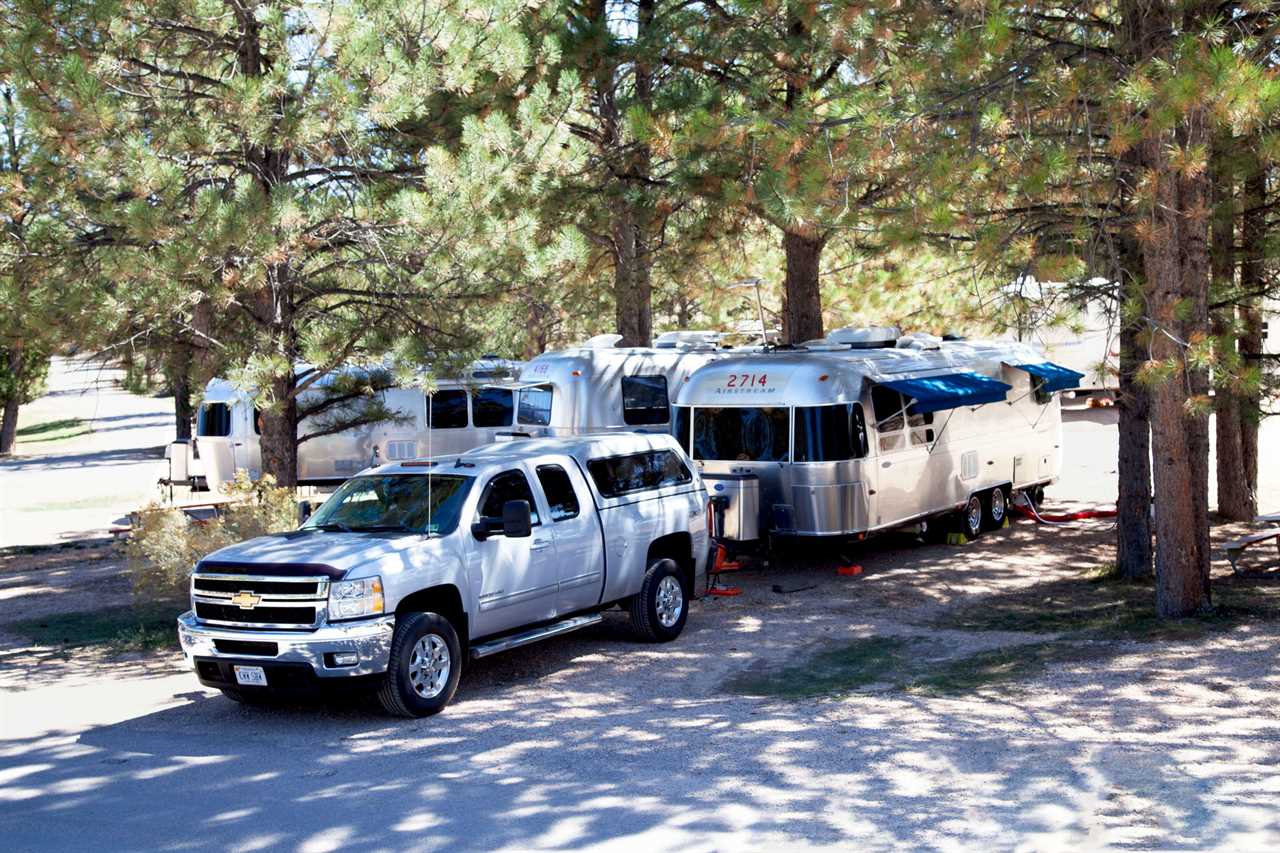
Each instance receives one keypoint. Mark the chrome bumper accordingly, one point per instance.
(370, 639)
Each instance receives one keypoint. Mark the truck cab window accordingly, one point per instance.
(507, 486)
(214, 419)
(535, 405)
(447, 409)
(492, 407)
(561, 498)
(644, 400)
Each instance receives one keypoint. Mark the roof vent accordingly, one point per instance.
(865, 337)
(919, 341)
(602, 342)
(686, 339)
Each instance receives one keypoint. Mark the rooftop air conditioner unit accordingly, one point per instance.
(865, 337)
(919, 341)
(685, 339)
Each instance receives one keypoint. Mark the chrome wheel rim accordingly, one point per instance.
(669, 601)
(429, 666)
(973, 514)
(997, 506)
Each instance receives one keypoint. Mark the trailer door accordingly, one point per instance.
(902, 448)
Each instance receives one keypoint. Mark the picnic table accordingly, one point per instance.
(1234, 550)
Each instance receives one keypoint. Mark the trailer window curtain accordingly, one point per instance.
(741, 433)
(535, 405)
(644, 400)
(492, 407)
(682, 425)
(447, 409)
(829, 433)
(214, 419)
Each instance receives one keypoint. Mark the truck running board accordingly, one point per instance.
(533, 635)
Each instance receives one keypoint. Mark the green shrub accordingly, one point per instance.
(166, 544)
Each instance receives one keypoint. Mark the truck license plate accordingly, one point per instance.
(254, 675)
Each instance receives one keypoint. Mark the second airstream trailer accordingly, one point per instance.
(599, 386)
(868, 430)
(458, 414)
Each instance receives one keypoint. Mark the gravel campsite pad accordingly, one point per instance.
(998, 693)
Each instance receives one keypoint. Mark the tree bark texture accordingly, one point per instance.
(1133, 464)
(633, 285)
(180, 367)
(803, 295)
(1235, 500)
(1175, 247)
(11, 405)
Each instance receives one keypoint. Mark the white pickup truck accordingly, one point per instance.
(410, 568)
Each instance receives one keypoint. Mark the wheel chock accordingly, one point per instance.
(849, 571)
(956, 539)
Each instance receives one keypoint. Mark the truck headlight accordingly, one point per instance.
(353, 599)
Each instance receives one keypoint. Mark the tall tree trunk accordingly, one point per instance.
(1176, 262)
(9, 412)
(279, 438)
(632, 285)
(180, 366)
(1252, 280)
(1234, 501)
(1133, 464)
(802, 293)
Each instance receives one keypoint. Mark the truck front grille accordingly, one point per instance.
(257, 601)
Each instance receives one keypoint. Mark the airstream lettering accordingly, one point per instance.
(869, 430)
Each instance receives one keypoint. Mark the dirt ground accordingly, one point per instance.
(716, 741)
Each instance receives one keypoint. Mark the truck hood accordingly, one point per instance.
(308, 552)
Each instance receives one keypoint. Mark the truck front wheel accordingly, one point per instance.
(425, 665)
(660, 608)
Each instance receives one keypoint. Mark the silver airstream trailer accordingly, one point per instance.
(599, 386)
(458, 414)
(867, 430)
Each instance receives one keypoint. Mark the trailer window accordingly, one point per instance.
(740, 433)
(447, 409)
(682, 425)
(644, 400)
(214, 419)
(535, 405)
(897, 424)
(829, 433)
(561, 498)
(635, 472)
(492, 407)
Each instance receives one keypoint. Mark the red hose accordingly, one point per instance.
(1069, 516)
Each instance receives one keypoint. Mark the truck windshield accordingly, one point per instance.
(741, 434)
(413, 503)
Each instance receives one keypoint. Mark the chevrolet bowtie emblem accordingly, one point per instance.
(245, 600)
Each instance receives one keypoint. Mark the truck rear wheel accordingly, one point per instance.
(425, 665)
(660, 608)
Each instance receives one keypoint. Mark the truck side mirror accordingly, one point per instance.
(517, 519)
(304, 511)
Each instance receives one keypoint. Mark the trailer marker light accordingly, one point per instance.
(575, 373)
(823, 378)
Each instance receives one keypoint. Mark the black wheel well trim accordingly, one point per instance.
(445, 599)
(677, 546)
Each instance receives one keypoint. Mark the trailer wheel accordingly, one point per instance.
(995, 506)
(661, 607)
(425, 665)
(970, 518)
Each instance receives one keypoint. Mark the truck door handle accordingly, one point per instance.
(540, 545)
